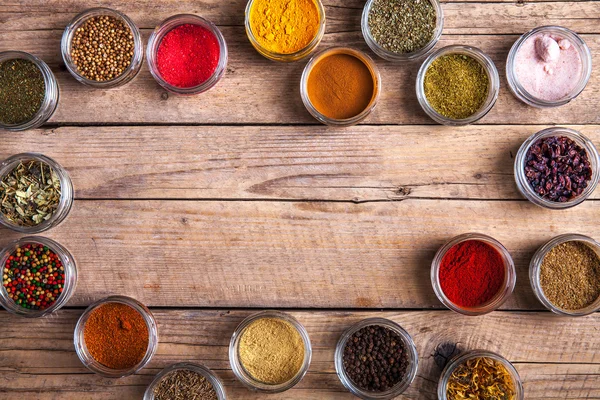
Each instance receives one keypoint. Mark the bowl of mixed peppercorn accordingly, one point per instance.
(557, 168)
(38, 277)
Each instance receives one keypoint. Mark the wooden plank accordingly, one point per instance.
(294, 254)
(34, 366)
(364, 163)
(257, 91)
(482, 17)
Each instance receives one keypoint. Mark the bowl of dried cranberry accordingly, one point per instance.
(557, 168)
(376, 359)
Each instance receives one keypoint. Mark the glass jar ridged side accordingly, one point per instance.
(298, 55)
(517, 88)
(493, 89)
(400, 387)
(138, 50)
(86, 357)
(50, 101)
(165, 27)
(240, 372)
(70, 270)
(398, 57)
(535, 272)
(66, 198)
(506, 289)
(464, 357)
(525, 187)
(199, 369)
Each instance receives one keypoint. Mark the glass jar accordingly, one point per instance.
(535, 268)
(138, 48)
(462, 358)
(525, 187)
(70, 277)
(165, 27)
(200, 369)
(510, 275)
(584, 52)
(280, 56)
(397, 57)
(89, 361)
(332, 121)
(50, 101)
(488, 66)
(240, 372)
(66, 188)
(400, 387)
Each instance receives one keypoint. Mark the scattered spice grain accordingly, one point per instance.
(22, 91)
(456, 85)
(102, 48)
(570, 276)
(116, 336)
(402, 26)
(481, 378)
(375, 358)
(30, 193)
(34, 276)
(557, 168)
(184, 384)
(271, 350)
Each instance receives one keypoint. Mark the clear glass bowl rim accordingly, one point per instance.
(86, 358)
(400, 386)
(523, 184)
(495, 302)
(210, 375)
(69, 287)
(535, 269)
(368, 61)
(238, 369)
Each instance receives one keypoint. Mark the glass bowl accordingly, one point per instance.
(240, 372)
(286, 57)
(200, 369)
(400, 387)
(66, 188)
(535, 268)
(519, 91)
(461, 358)
(332, 121)
(521, 158)
(510, 276)
(70, 277)
(397, 57)
(50, 102)
(89, 361)
(490, 69)
(138, 48)
(167, 26)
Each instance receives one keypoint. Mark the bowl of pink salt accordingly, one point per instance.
(548, 66)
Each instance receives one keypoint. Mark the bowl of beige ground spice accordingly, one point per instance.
(565, 275)
(270, 352)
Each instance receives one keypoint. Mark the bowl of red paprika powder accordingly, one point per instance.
(116, 337)
(187, 54)
(473, 274)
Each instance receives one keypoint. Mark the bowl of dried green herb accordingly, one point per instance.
(28, 91)
(36, 193)
(457, 85)
(186, 381)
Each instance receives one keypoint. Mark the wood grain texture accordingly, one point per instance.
(34, 367)
(295, 254)
(365, 163)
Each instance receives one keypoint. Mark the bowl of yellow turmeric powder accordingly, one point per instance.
(285, 31)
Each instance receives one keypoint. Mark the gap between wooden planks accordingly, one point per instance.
(34, 367)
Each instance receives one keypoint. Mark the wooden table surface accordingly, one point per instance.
(211, 207)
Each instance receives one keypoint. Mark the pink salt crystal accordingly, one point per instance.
(547, 49)
(564, 44)
(548, 69)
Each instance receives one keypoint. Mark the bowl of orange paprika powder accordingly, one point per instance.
(473, 274)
